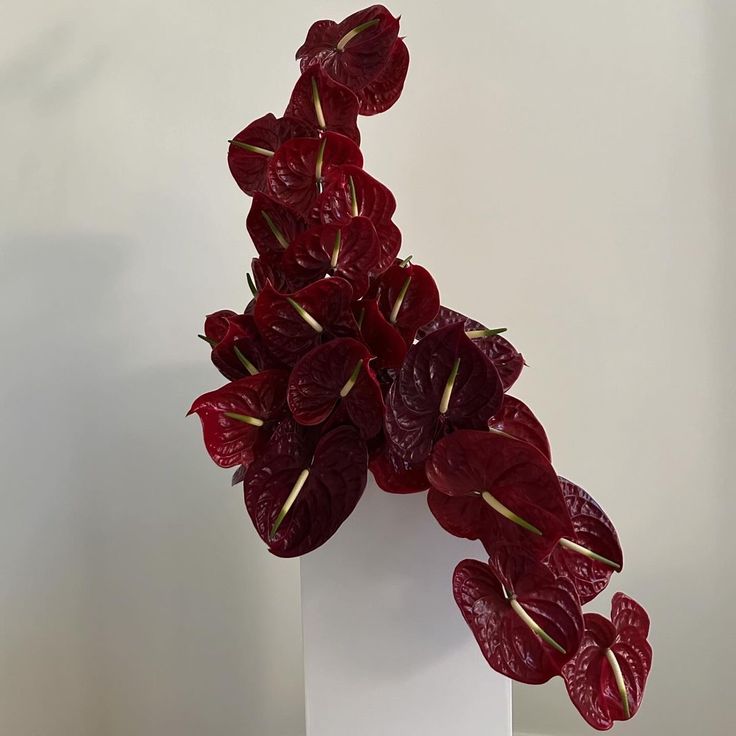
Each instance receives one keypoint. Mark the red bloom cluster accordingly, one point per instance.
(344, 361)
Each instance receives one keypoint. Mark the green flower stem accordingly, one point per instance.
(297, 487)
(212, 343)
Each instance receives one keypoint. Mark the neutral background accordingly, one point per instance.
(565, 169)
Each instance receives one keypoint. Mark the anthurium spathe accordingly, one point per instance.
(607, 676)
(527, 621)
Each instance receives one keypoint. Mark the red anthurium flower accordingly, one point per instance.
(503, 491)
(272, 227)
(383, 339)
(322, 103)
(296, 171)
(337, 371)
(298, 495)
(235, 417)
(351, 192)
(507, 360)
(445, 383)
(592, 553)
(380, 94)
(408, 298)
(392, 477)
(527, 621)
(252, 149)
(606, 679)
(292, 324)
(241, 351)
(349, 250)
(515, 418)
(354, 51)
(216, 325)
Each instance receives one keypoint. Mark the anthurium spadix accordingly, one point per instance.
(239, 416)
(498, 489)
(607, 676)
(527, 621)
(273, 227)
(298, 494)
(337, 371)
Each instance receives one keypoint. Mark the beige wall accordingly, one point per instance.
(566, 170)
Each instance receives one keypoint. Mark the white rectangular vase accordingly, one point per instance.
(386, 651)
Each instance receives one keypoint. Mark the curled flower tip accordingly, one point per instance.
(251, 149)
(350, 35)
(476, 334)
(507, 513)
(300, 481)
(534, 626)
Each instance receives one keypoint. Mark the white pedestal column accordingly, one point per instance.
(386, 651)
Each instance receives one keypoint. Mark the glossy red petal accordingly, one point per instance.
(216, 325)
(322, 376)
(469, 463)
(380, 94)
(507, 360)
(288, 334)
(322, 103)
(515, 418)
(265, 135)
(272, 227)
(229, 440)
(295, 171)
(593, 530)
(408, 298)
(590, 677)
(383, 339)
(358, 60)
(392, 478)
(484, 594)
(241, 341)
(372, 200)
(337, 472)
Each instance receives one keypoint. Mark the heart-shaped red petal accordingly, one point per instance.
(272, 227)
(292, 324)
(349, 191)
(325, 484)
(511, 492)
(607, 677)
(322, 103)
(527, 621)
(251, 150)
(295, 172)
(380, 94)
(383, 339)
(408, 298)
(337, 371)
(593, 531)
(235, 417)
(354, 51)
(515, 418)
(241, 351)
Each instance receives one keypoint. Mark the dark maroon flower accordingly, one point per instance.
(355, 51)
(298, 495)
(497, 489)
(337, 372)
(383, 339)
(515, 418)
(527, 621)
(607, 677)
(272, 227)
(380, 94)
(292, 324)
(592, 553)
(251, 150)
(322, 103)
(507, 360)
(351, 192)
(392, 477)
(241, 351)
(295, 172)
(216, 325)
(235, 417)
(349, 250)
(408, 298)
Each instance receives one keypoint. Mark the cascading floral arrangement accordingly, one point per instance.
(344, 361)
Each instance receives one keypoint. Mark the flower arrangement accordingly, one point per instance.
(344, 361)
